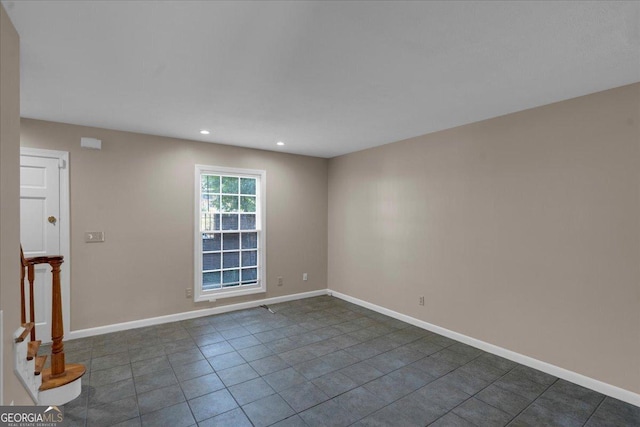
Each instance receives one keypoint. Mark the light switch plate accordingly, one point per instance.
(94, 236)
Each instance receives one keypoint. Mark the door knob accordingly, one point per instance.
(52, 219)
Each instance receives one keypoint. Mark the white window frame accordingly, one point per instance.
(211, 295)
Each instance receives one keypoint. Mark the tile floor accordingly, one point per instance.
(317, 362)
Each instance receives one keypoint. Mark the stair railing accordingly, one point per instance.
(57, 329)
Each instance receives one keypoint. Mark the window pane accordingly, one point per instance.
(230, 184)
(249, 240)
(209, 203)
(247, 204)
(247, 222)
(211, 242)
(211, 280)
(229, 203)
(210, 183)
(229, 221)
(231, 260)
(230, 241)
(249, 274)
(249, 258)
(211, 261)
(210, 222)
(230, 277)
(247, 186)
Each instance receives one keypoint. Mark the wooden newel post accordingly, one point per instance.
(57, 330)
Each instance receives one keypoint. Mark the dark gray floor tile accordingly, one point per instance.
(343, 341)
(111, 375)
(441, 340)
(465, 381)
(180, 345)
(112, 412)
(340, 359)
(154, 380)
(534, 375)
(200, 386)
(204, 340)
(110, 361)
(442, 394)
(233, 418)
(498, 362)
(269, 364)
(465, 350)
(482, 370)
(281, 345)
(297, 356)
(516, 383)
(145, 353)
(565, 405)
(269, 336)
(284, 379)
(451, 420)
(111, 392)
(173, 416)
(386, 362)
(192, 370)
(237, 374)
(216, 349)
(75, 416)
(504, 400)
(436, 367)
(395, 385)
(335, 383)
(149, 366)
(590, 397)
(361, 372)
(314, 368)
(458, 359)
(303, 396)
(255, 352)
(250, 391)
(424, 346)
(243, 342)
(480, 413)
(159, 398)
(180, 358)
(613, 412)
(536, 415)
(329, 410)
(226, 360)
(417, 410)
(385, 417)
(268, 410)
(132, 422)
(292, 421)
(360, 402)
(104, 350)
(212, 404)
(235, 332)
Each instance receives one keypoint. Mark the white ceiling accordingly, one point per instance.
(327, 78)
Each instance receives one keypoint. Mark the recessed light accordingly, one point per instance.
(280, 143)
(205, 132)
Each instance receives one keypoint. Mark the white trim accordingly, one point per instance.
(89, 332)
(574, 377)
(65, 226)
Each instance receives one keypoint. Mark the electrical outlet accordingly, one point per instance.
(305, 277)
(189, 292)
(280, 281)
(421, 301)
(94, 236)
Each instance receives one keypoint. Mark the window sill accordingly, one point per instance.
(211, 297)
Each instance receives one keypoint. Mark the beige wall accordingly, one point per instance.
(10, 202)
(139, 190)
(522, 231)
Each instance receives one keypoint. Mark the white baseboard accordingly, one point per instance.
(556, 371)
(83, 333)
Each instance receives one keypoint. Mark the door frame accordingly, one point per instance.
(65, 229)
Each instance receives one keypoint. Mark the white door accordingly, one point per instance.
(40, 229)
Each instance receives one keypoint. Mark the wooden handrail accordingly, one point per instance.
(57, 329)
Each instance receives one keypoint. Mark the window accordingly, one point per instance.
(230, 232)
